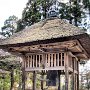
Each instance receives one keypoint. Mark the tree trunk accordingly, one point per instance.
(45, 10)
(70, 19)
(76, 21)
(76, 15)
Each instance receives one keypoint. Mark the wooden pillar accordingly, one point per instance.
(73, 75)
(23, 72)
(66, 72)
(20, 78)
(78, 76)
(59, 80)
(12, 78)
(34, 80)
(42, 73)
(42, 82)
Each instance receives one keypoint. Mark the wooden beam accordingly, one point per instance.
(46, 68)
(44, 47)
(76, 53)
(42, 50)
(78, 42)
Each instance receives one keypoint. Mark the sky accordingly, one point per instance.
(9, 8)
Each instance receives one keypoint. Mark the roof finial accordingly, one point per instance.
(53, 10)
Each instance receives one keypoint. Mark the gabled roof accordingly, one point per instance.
(47, 29)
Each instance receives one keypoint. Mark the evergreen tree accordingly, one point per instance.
(33, 12)
(86, 4)
(10, 26)
(30, 13)
(37, 10)
(72, 12)
(20, 25)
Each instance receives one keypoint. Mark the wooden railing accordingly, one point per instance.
(46, 60)
(54, 59)
(33, 61)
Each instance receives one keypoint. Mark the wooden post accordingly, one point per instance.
(59, 80)
(54, 60)
(66, 71)
(42, 73)
(58, 59)
(78, 76)
(23, 72)
(34, 80)
(12, 78)
(20, 81)
(42, 82)
(73, 74)
(48, 60)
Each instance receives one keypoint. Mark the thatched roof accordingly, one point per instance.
(53, 30)
(47, 29)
